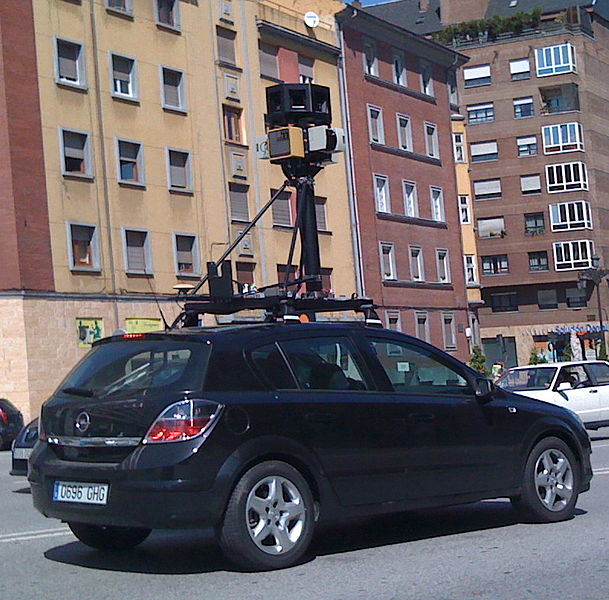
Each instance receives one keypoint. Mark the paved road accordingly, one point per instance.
(462, 553)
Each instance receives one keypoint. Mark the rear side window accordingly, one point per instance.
(600, 372)
(126, 366)
(326, 363)
(272, 368)
(418, 370)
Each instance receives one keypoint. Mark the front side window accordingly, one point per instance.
(187, 254)
(130, 162)
(417, 271)
(495, 265)
(84, 247)
(168, 13)
(538, 261)
(481, 113)
(124, 77)
(388, 270)
(523, 107)
(70, 66)
(431, 140)
(381, 194)
(568, 216)
(326, 363)
(411, 202)
(437, 204)
(554, 60)
(138, 253)
(76, 149)
(180, 177)
(564, 137)
(566, 177)
(573, 255)
(415, 370)
(271, 366)
(174, 95)
(375, 125)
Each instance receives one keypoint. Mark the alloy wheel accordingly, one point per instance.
(554, 479)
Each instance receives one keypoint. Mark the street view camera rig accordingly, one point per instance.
(300, 139)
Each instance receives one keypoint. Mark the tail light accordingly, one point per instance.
(4, 416)
(183, 420)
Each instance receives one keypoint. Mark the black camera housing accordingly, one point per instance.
(298, 104)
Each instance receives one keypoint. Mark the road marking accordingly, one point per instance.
(601, 445)
(23, 536)
(602, 471)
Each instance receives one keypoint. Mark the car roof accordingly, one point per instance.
(569, 363)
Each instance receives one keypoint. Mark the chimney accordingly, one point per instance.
(423, 5)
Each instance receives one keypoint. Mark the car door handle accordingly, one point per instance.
(422, 417)
(321, 418)
(593, 392)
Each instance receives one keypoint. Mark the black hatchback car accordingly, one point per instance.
(264, 431)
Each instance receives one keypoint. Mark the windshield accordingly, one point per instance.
(125, 366)
(535, 378)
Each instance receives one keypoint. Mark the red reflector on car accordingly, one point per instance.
(131, 336)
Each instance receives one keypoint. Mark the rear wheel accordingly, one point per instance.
(109, 537)
(551, 482)
(269, 518)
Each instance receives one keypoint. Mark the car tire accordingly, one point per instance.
(109, 537)
(269, 518)
(550, 484)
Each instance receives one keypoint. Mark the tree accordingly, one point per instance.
(477, 360)
(536, 358)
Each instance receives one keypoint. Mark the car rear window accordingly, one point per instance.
(125, 366)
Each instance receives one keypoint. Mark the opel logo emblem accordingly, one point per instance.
(82, 422)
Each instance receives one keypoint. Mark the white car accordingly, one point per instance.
(582, 386)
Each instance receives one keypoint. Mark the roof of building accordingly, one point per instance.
(506, 8)
(406, 14)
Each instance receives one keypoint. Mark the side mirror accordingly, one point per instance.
(563, 385)
(483, 388)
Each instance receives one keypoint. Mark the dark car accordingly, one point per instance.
(11, 422)
(22, 448)
(264, 431)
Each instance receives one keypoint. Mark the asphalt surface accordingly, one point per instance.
(461, 553)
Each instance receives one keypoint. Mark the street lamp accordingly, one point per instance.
(595, 274)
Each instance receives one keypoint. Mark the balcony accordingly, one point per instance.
(559, 98)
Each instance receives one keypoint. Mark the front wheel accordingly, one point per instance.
(109, 537)
(269, 518)
(551, 482)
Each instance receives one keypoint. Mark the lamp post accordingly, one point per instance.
(595, 274)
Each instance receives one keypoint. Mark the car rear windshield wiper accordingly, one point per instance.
(76, 391)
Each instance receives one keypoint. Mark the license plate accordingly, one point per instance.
(82, 493)
(22, 453)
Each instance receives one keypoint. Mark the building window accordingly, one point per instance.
(186, 254)
(138, 253)
(534, 223)
(520, 69)
(320, 213)
(394, 322)
(523, 107)
(232, 124)
(547, 299)
(564, 137)
(480, 113)
(404, 132)
(527, 146)
(431, 140)
(471, 269)
(168, 13)
(388, 261)
(530, 184)
(422, 325)
(381, 194)
(375, 124)
(71, 64)
(451, 84)
(426, 79)
(484, 151)
(568, 216)
(306, 66)
(575, 298)
(478, 75)
(239, 209)
(282, 209)
(371, 66)
(538, 261)
(399, 70)
(326, 279)
(124, 77)
(553, 60)
(283, 271)
(417, 271)
(566, 177)
(130, 162)
(244, 274)
(443, 265)
(495, 265)
(465, 210)
(491, 227)
(76, 153)
(411, 201)
(506, 302)
(179, 170)
(83, 247)
(448, 329)
(121, 6)
(459, 147)
(573, 255)
(226, 46)
(487, 189)
(437, 204)
(268, 60)
(173, 89)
